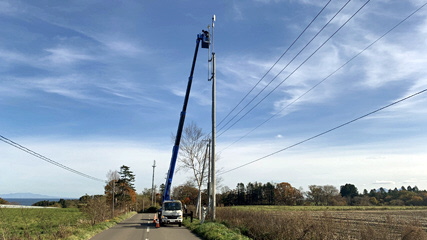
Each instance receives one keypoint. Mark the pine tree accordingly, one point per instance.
(127, 176)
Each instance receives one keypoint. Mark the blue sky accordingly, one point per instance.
(95, 85)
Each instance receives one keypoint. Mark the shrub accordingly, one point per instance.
(96, 209)
(414, 233)
(151, 210)
(213, 231)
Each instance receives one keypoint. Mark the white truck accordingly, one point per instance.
(171, 212)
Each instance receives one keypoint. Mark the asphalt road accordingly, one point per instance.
(141, 227)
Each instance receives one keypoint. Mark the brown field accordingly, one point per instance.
(262, 223)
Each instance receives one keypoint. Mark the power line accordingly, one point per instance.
(327, 77)
(17, 145)
(328, 131)
(277, 61)
(290, 74)
(306, 45)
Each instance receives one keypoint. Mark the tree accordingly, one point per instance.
(287, 195)
(127, 176)
(111, 189)
(331, 194)
(349, 191)
(324, 195)
(95, 208)
(125, 194)
(193, 156)
(241, 194)
(228, 197)
(187, 193)
(315, 194)
(250, 194)
(268, 193)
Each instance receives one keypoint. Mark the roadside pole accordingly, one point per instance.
(152, 185)
(213, 78)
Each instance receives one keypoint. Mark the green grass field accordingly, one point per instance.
(49, 224)
(43, 223)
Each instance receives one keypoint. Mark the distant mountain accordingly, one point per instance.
(27, 195)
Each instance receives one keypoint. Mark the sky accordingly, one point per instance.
(94, 85)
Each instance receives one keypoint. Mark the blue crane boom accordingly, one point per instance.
(205, 39)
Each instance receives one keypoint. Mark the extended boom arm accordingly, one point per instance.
(204, 37)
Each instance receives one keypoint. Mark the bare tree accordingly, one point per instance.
(323, 195)
(111, 188)
(193, 156)
(96, 208)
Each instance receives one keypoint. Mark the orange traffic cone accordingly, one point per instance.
(157, 223)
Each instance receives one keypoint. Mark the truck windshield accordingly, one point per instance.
(172, 206)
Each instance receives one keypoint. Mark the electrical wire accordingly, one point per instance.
(277, 61)
(267, 85)
(327, 131)
(17, 145)
(299, 66)
(327, 77)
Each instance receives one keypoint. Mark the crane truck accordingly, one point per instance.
(172, 211)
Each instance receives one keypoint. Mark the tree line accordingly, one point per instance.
(325, 195)
(119, 197)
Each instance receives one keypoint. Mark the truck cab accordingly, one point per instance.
(171, 212)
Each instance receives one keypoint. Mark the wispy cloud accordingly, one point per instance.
(384, 182)
(8, 8)
(238, 15)
(64, 55)
(13, 57)
(71, 86)
(123, 47)
(91, 149)
(243, 72)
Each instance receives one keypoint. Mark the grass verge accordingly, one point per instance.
(213, 231)
(92, 230)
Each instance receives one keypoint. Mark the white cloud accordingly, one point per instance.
(411, 180)
(242, 72)
(7, 8)
(63, 55)
(389, 63)
(324, 164)
(91, 156)
(384, 182)
(72, 86)
(269, 1)
(238, 15)
(123, 47)
(11, 56)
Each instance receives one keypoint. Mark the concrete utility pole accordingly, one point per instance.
(113, 196)
(213, 78)
(209, 179)
(152, 185)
